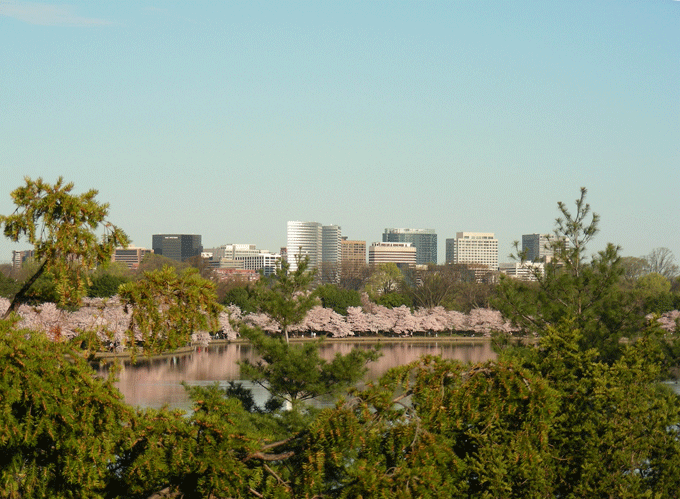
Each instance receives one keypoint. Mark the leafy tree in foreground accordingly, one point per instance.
(60, 426)
(167, 308)
(62, 229)
(616, 429)
(468, 431)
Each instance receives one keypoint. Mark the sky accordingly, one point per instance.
(227, 119)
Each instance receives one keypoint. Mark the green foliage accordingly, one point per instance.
(152, 262)
(62, 229)
(393, 300)
(296, 372)
(285, 296)
(654, 290)
(107, 278)
(385, 278)
(587, 291)
(105, 285)
(8, 286)
(551, 421)
(632, 269)
(243, 297)
(60, 426)
(43, 289)
(387, 286)
(615, 430)
(168, 307)
(435, 429)
(338, 299)
(215, 452)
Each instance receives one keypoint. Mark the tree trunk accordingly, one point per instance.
(21, 294)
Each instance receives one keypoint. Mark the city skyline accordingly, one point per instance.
(229, 119)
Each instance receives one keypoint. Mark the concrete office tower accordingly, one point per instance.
(537, 247)
(177, 246)
(424, 240)
(480, 248)
(304, 239)
(403, 254)
(352, 251)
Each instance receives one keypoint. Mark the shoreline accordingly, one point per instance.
(104, 356)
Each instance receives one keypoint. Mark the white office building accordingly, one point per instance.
(304, 239)
(321, 243)
(527, 271)
(478, 248)
(245, 257)
(399, 253)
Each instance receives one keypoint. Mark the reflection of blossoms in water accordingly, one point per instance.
(155, 382)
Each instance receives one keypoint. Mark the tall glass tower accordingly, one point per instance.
(425, 241)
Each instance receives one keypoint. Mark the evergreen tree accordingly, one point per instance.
(296, 372)
(285, 296)
(573, 286)
(60, 426)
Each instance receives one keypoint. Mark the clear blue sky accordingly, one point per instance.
(227, 119)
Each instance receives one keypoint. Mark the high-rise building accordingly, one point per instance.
(539, 247)
(130, 256)
(424, 240)
(352, 251)
(479, 248)
(403, 254)
(321, 243)
(331, 251)
(304, 240)
(177, 246)
(331, 243)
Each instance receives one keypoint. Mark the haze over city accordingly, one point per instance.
(228, 119)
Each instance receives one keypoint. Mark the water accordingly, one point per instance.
(158, 382)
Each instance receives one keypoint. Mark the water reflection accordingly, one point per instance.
(154, 383)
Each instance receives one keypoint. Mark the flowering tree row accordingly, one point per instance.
(109, 321)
